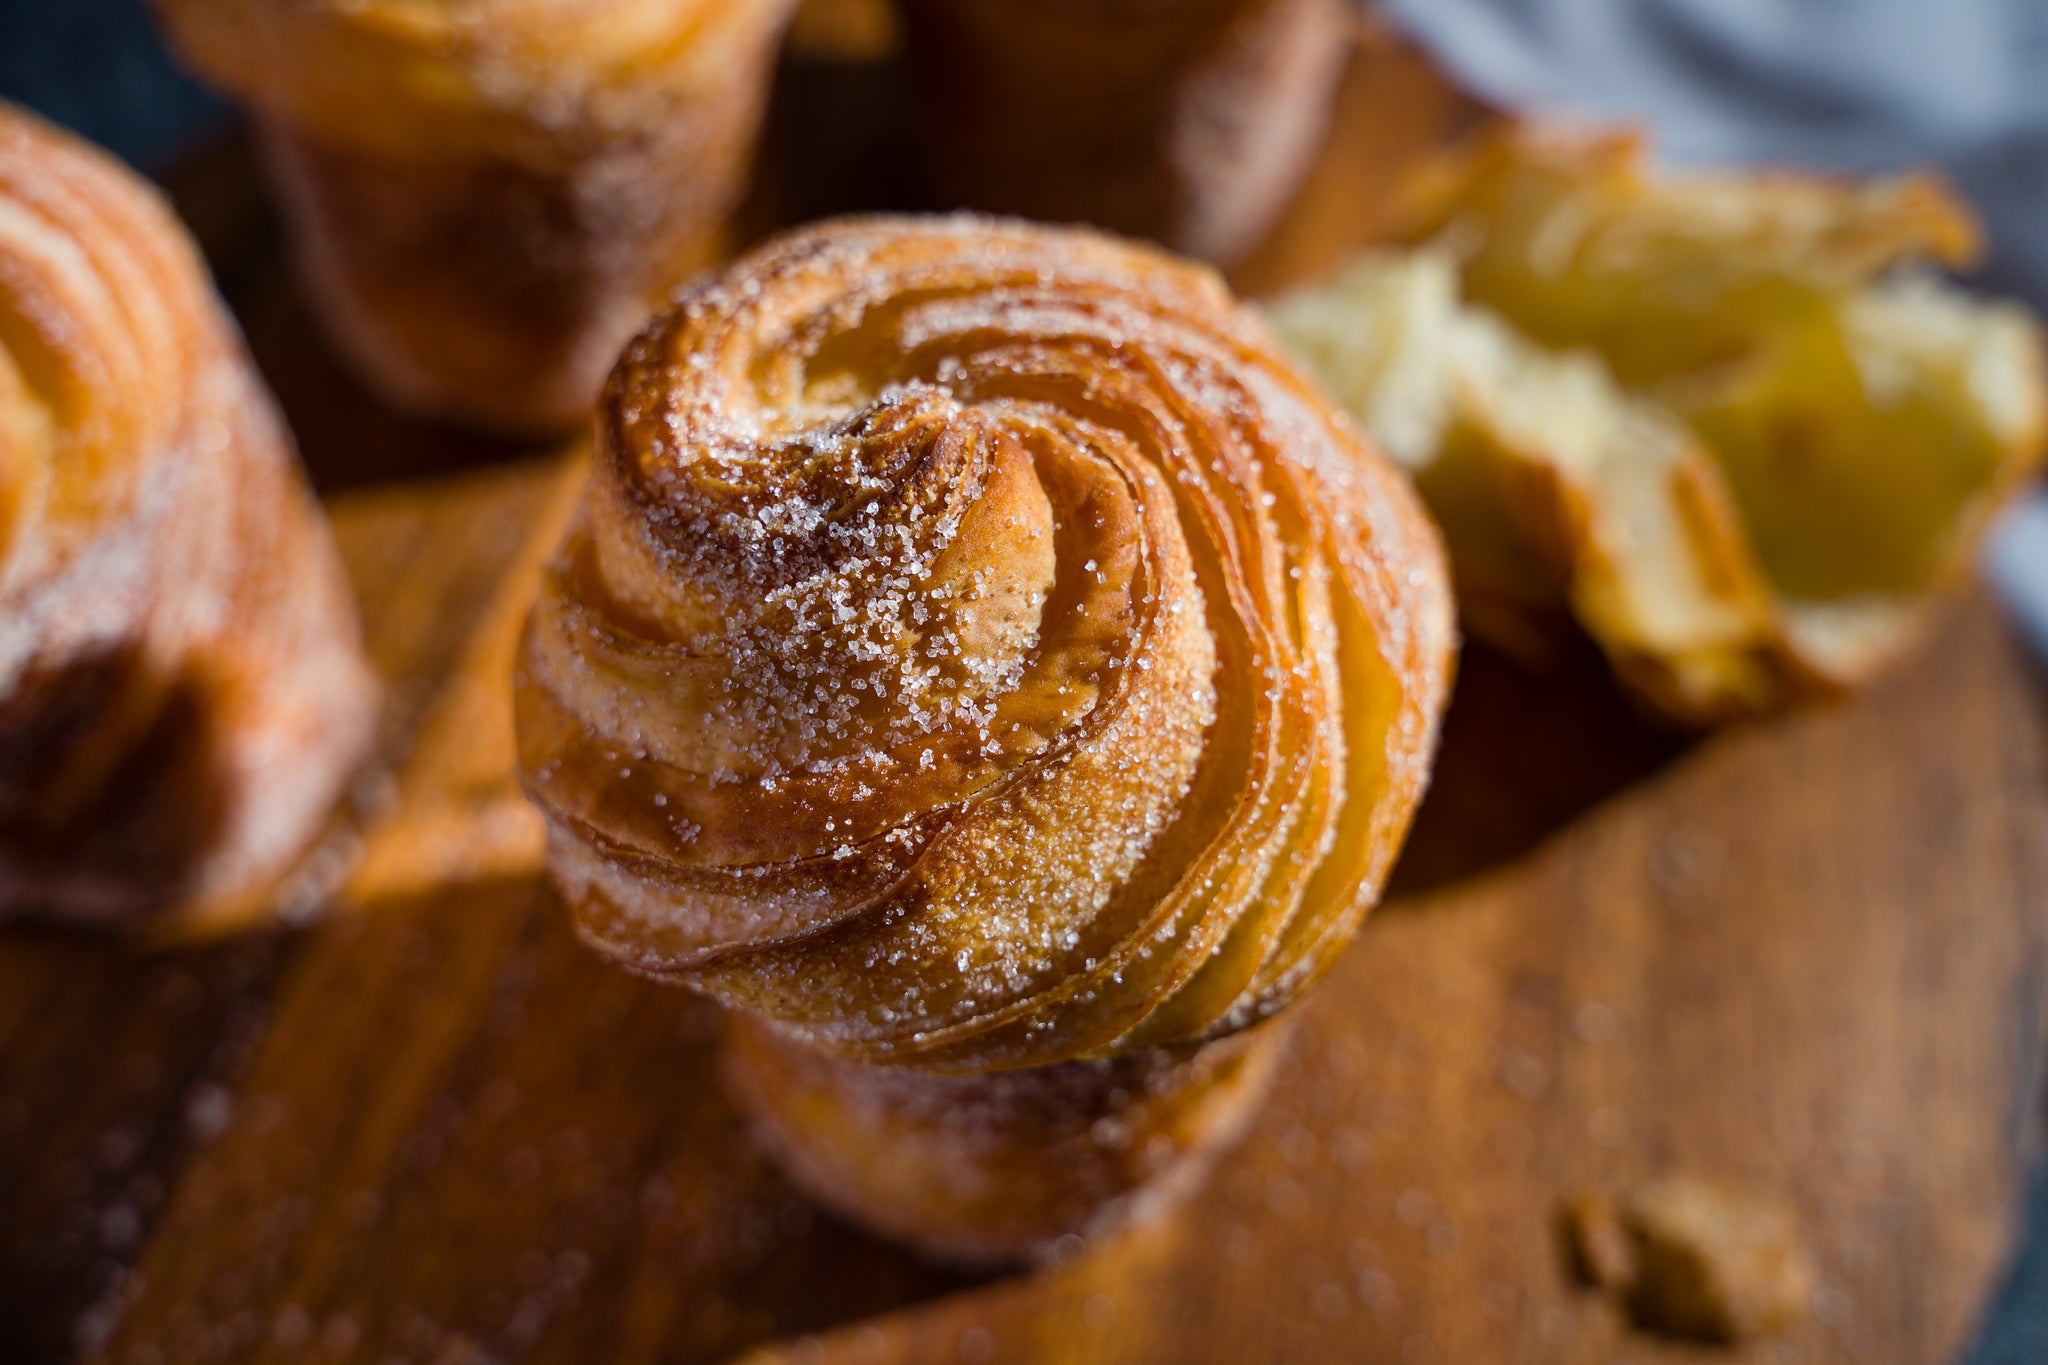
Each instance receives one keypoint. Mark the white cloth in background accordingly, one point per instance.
(1859, 85)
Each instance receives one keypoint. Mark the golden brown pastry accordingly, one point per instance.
(1709, 414)
(978, 651)
(182, 694)
(489, 196)
(1190, 122)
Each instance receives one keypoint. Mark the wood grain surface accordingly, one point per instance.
(1806, 957)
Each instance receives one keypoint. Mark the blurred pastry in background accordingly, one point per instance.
(1733, 423)
(1189, 122)
(845, 30)
(182, 691)
(488, 198)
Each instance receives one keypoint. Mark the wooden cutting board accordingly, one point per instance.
(1804, 956)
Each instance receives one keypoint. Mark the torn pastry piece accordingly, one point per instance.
(182, 690)
(487, 198)
(978, 652)
(1576, 240)
(1554, 487)
(1806, 451)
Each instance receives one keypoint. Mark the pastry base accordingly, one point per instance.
(1007, 1167)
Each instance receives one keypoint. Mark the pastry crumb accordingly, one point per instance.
(1694, 1259)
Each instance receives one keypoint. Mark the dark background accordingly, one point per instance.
(96, 67)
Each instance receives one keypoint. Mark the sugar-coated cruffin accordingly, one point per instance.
(978, 649)
(1808, 444)
(984, 665)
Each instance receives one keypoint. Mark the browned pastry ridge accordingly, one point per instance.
(182, 693)
(977, 650)
(1189, 122)
(488, 197)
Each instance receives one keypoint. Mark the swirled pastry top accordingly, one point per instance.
(977, 649)
(516, 76)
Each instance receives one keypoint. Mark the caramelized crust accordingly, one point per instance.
(489, 196)
(978, 650)
(181, 689)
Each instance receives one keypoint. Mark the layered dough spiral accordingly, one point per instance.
(978, 650)
(181, 689)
